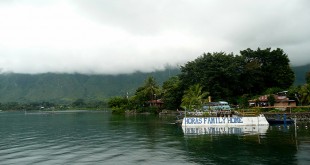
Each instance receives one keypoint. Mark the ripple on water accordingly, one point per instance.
(100, 138)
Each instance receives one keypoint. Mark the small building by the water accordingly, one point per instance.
(156, 102)
(280, 100)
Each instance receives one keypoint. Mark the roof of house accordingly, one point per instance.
(158, 101)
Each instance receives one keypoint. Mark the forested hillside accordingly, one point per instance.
(63, 88)
(300, 74)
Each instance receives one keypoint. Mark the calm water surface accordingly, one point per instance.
(103, 138)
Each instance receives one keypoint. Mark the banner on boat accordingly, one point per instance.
(212, 120)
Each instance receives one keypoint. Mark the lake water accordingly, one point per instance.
(103, 138)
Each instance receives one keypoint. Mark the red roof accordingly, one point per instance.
(158, 101)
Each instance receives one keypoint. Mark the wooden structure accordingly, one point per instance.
(280, 101)
(156, 103)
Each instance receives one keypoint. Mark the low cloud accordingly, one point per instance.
(120, 36)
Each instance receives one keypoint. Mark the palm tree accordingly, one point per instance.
(149, 91)
(305, 94)
(193, 97)
(151, 88)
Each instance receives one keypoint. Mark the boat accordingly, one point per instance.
(222, 115)
(280, 119)
(274, 121)
(228, 120)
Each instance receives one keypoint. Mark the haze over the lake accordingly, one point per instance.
(124, 36)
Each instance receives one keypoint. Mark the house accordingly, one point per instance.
(284, 101)
(156, 103)
(280, 100)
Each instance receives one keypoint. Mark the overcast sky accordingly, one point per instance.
(123, 36)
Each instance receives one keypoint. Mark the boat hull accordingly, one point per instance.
(280, 121)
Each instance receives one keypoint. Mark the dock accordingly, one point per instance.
(299, 116)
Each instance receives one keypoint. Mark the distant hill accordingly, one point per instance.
(300, 74)
(63, 88)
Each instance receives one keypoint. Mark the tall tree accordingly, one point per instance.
(305, 94)
(294, 93)
(172, 93)
(226, 76)
(217, 72)
(193, 97)
(266, 68)
(149, 91)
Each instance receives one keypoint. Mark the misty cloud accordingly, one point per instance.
(123, 36)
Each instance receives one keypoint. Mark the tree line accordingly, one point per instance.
(229, 77)
(45, 105)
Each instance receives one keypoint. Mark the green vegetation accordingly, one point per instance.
(140, 101)
(76, 105)
(67, 88)
(235, 78)
(305, 94)
(193, 97)
(301, 109)
(229, 77)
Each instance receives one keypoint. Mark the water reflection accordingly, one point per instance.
(217, 130)
(103, 138)
(280, 144)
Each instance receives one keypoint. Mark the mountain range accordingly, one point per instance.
(65, 88)
(300, 74)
